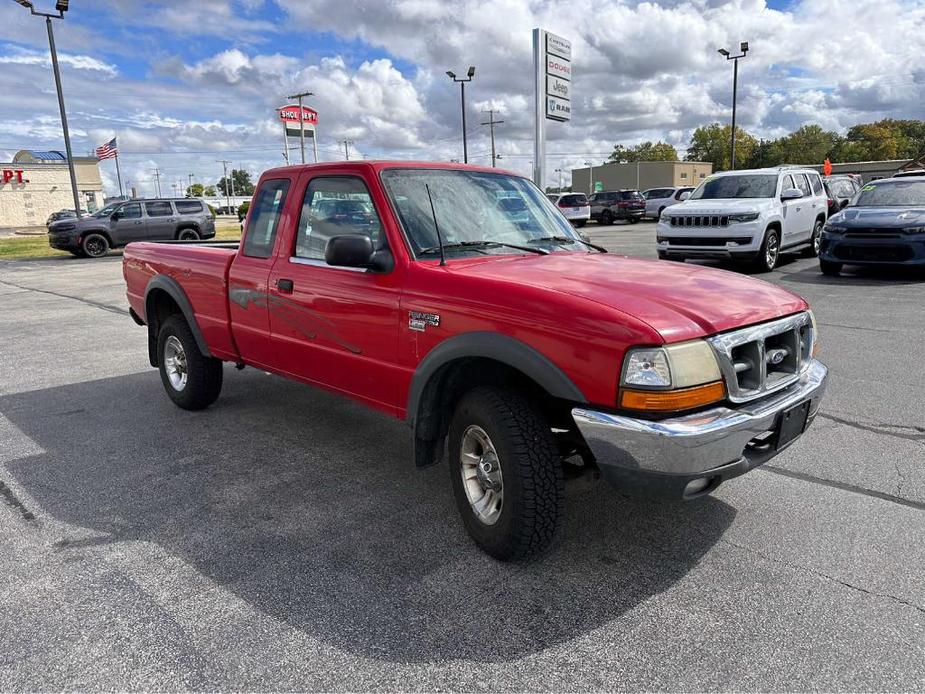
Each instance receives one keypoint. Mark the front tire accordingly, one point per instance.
(95, 245)
(767, 257)
(829, 268)
(606, 218)
(634, 220)
(188, 235)
(192, 380)
(506, 473)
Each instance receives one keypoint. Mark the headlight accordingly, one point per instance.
(914, 230)
(671, 378)
(743, 217)
(832, 229)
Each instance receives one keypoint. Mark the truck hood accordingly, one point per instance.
(681, 302)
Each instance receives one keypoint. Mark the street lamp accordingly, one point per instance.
(559, 171)
(735, 83)
(462, 96)
(61, 7)
(590, 166)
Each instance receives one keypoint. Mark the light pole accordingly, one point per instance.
(61, 7)
(559, 171)
(462, 96)
(590, 166)
(735, 85)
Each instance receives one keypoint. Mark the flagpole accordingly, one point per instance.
(119, 175)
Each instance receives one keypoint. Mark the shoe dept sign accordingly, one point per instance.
(557, 57)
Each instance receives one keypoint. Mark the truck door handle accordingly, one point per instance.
(285, 286)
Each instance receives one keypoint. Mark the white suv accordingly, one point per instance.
(749, 215)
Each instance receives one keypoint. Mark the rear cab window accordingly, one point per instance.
(817, 184)
(263, 226)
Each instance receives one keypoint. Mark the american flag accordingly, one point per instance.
(107, 151)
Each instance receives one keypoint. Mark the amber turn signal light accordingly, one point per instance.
(672, 400)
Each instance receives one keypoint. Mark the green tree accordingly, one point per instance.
(209, 191)
(809, 144)
(711, 143)
(645, 151)
(195, 191)
(240, 182)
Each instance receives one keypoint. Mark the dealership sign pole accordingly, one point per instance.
(552, 63)
(300, 121)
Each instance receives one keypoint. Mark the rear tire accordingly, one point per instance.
(634, 220)
(506, 473)
(606, 218)
(580, 223)
(829, 268)
(813, 249)
(658, 217)
(192, 380)
(188, 235)
(94, 245)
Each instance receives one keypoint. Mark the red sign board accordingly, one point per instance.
(290, 115)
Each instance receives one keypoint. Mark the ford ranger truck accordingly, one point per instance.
(493, 330)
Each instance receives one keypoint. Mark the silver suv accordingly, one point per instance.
(120, 223)
(749, 215)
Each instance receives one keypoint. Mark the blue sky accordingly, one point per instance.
(183, 84)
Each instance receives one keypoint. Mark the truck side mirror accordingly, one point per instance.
(684, 196)
(791, 194)
(116, 216)
(355, 250)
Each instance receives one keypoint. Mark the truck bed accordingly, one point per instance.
(201, 269)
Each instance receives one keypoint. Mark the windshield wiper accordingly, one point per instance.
(477, 245)
(568, 239)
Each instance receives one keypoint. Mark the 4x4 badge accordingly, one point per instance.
(419, 321)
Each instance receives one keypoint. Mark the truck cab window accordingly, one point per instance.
(261, 231)
(335, 206)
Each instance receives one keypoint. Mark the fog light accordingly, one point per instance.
(696, 486)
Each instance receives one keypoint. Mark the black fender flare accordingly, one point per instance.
(502, 348)
(173, 289)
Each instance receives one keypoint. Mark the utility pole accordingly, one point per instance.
(347, 144)
(61, 8)
(225, 164)
(491, 128)
(590, 166)
(462, 97)
(300, 96)
(735, 85)
(190, 189)
(157, 182)
(559, 171)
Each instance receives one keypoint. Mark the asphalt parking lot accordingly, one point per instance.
(282, 540)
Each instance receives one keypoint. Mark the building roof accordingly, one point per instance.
(31, 155)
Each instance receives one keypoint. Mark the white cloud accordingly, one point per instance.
(15, 55)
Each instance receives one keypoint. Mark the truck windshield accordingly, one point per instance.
(895, 193)
(106, 211)
(737, 186)
(476, 212)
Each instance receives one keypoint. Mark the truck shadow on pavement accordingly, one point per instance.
(309, 508)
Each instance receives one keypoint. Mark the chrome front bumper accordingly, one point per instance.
(660, 458)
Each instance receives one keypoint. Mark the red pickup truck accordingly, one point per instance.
(502, 338)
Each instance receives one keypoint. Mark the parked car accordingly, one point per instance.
(747, 216)
(523, 352)
(574, 206)
(839, 189)
(118, 224)
(911, 172)
(620, 204)
(883, 225)
(657, 199)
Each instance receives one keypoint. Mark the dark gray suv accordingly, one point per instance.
(118, 224)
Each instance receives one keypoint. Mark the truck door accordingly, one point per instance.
(248, 291)
(127, 224)
(335, 326)
(161, 222)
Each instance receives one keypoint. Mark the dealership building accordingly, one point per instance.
(35, 184)
(640, 175)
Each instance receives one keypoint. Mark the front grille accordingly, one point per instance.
(872, 234)
(699, 220)
(703, 240)
(764, 358)
(885, 253)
